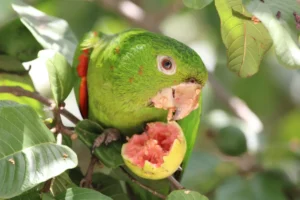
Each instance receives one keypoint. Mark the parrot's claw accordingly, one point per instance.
(107, 136)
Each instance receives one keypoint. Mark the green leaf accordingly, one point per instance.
(12, 73)
(29, 154)
(17, 41)
(50, 32)
(283, 149)
(196, 4)
(32, 194)
(11, 65)
(77, 193)
(60, 74)
(210, 170)
(245, 41)
(283, 31)
(110, 154)
(61, 183)
(109, 186)
(47, 196)
(260, 187)
(185, 195)
(161, 186)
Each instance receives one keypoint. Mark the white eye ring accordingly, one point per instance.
(166, 65)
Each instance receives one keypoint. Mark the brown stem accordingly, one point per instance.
(18, 91)
(142, 185)
(175, 183)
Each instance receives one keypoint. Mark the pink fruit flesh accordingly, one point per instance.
(152, 145)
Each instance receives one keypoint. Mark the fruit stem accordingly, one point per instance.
(175, 183)
(142, 185)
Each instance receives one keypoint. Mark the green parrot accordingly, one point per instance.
(134, 77)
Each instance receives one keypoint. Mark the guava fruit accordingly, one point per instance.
(157, 152)
(231, 141)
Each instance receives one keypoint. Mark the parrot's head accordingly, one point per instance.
(160, 72)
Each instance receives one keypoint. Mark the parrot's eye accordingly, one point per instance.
(166, 65)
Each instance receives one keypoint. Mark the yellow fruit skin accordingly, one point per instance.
(170, 165)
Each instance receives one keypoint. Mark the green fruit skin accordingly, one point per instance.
(231, 141)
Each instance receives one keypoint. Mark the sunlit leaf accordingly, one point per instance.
(29, 154)
(245, 40)
(278, 18)
(51, 32)
(60, 74)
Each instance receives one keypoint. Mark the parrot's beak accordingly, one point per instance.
(180, 100)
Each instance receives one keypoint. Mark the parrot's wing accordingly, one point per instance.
(80, 66)
(190, 127)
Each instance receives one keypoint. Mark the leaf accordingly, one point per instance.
(109, 186)
(283, 31)
(32, 194)
(61, 183)
(185, 195)
(11, 65)
(161, 186)
(210, 170)
(245, 41)
(50, 32)
(29, 154)
(47, 196)
(260, 187)
(12, 73)
(60, 74)
(77, 193)
(197, 4)
(283, 149)
(17, 41)
(110, 154)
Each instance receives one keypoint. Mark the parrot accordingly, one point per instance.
(128, 79)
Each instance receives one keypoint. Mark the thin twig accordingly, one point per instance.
(142, 185)
(175, 183)
(18, 91)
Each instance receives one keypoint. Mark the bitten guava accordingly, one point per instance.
(156, 153)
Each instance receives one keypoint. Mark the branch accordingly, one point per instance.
(175, 183)
(142, 185)
(236, 105)
(18, 91)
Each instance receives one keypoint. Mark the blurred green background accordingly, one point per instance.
(220, 168)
